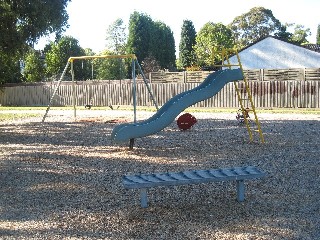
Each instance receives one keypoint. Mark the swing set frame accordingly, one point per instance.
(134, 64)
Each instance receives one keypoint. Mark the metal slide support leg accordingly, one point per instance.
(144, 198)
(131, 143)
(148, 86)
(240, 190)
(55, 91)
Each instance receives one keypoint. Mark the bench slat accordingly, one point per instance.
(240, 171)
(191, 177)
(178, 176)
(165, 177)
(204, 173)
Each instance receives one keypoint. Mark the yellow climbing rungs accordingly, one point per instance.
(225, 54)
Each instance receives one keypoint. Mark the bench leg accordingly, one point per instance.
(144, 198)
(240, 190)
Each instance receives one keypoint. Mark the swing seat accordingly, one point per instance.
(88, 106)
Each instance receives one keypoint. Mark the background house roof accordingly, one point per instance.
(273, 53)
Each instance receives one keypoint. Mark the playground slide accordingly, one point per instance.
(171, 109)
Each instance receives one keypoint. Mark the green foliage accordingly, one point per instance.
(110, 68)
(9, 68)
(162, 46)
(179, 65)
(151, 39)
(300, 35)
(89, 52)
(116, 37)
(22, 23)
(34, 70)
(58, 55)
(140, 26)
(187, 55)
(254, 25)
(89, 64)
(283, 33)
(212, 35)
(9, 38)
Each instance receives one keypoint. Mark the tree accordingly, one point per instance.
(34, 69)
(116, 37)
(318, 35)
(283, 33)
(254, 25)
(10, 68)
(300, 35)
(90, 64)
(89, 52)
(140, 27)
(162, 45)
(22, 23)
(187, 55)
(57, 57)
(212, 35)
(149, 39)
(110, 68)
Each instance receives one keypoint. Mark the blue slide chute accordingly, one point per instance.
(171, 109)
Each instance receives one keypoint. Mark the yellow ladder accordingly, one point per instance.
(243, 91)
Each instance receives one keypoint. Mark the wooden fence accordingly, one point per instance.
(178, 77)
(266, 94)
(292, 74)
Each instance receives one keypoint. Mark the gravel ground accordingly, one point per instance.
(62, 179)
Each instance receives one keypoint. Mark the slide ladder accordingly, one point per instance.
(243, 93)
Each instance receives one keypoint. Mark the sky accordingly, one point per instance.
(89, 20)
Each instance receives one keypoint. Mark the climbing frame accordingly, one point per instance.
(243, 92)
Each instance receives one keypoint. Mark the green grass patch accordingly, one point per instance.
(16, 116)
(290, 111)
(31, 108)
(153, 109)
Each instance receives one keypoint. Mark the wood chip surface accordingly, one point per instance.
(61, 179)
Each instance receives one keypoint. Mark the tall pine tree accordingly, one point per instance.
(140, 28)
(188, 40)
(162, 45)
(151, 40)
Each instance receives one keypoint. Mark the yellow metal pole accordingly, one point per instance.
(73, 90)
(103, 56)
(251, 102)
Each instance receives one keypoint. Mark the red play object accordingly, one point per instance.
(186, 121)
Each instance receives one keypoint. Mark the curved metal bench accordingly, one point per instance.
(238, 174)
